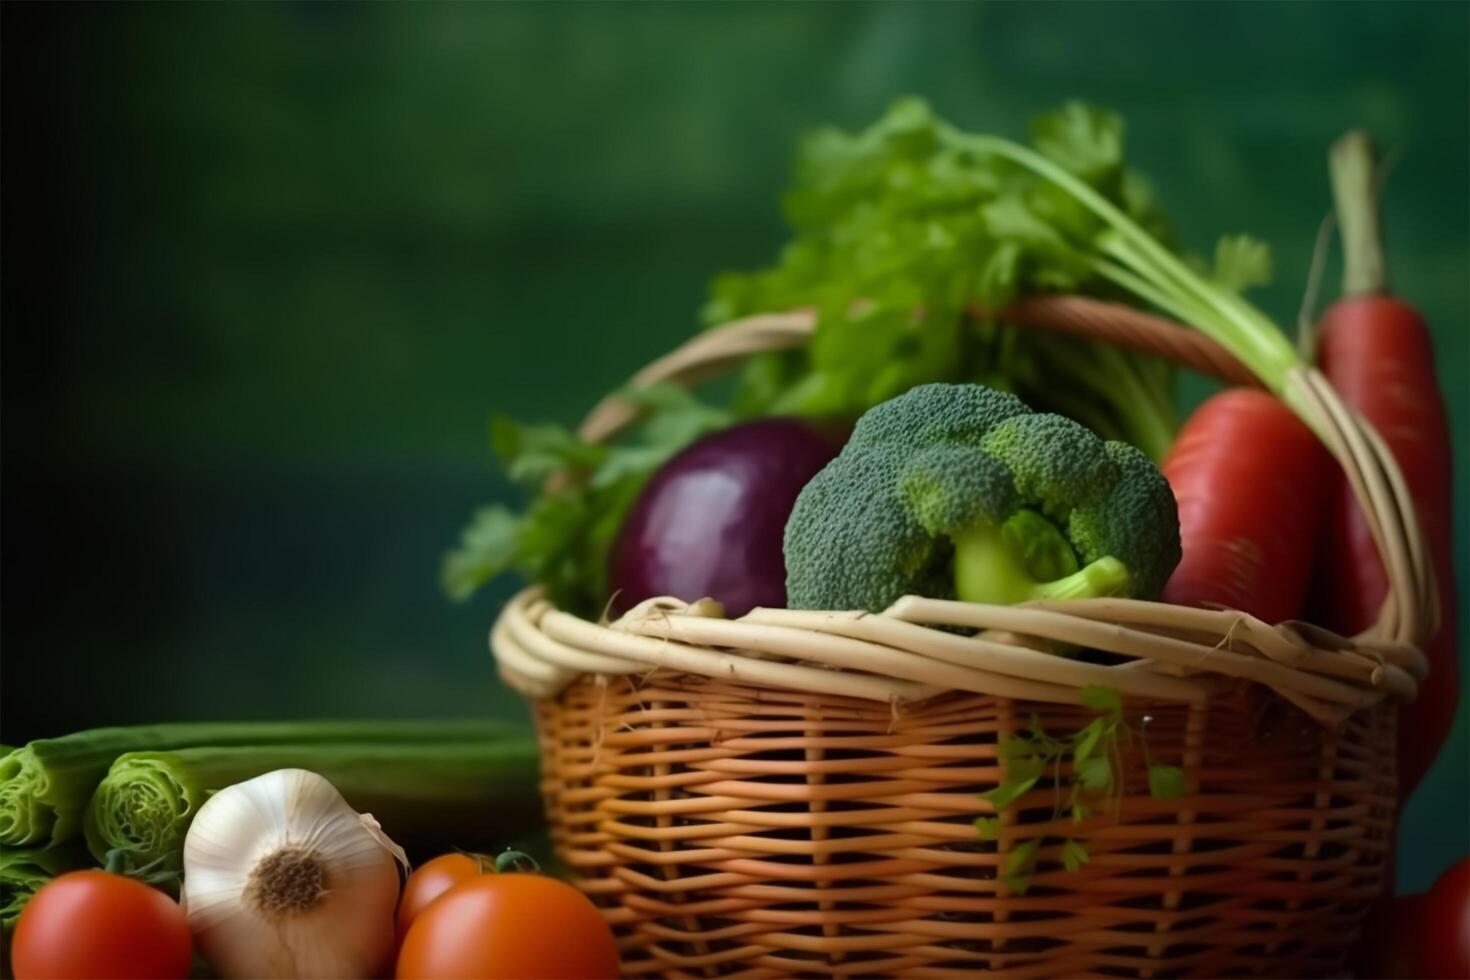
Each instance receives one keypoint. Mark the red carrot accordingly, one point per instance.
(1248, 476)
(1376, 351)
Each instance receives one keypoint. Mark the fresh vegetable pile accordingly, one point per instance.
(983, 461)
(909, 243)
(910, 240)
(125, 798)
(257, 829)
(921, 444)
(283, 878)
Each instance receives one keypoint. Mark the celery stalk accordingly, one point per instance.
(24, 870)
(478, 792)
(45, 786)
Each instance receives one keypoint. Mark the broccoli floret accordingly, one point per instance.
(935, 414)
(858, 538)
(961, 491)
(1135, 521)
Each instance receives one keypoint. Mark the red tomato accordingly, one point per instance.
(92, 925)
(509, 927)
(1444, 937)
(432, 879)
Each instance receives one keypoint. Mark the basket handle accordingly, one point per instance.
(711, 353)
(1410, 612)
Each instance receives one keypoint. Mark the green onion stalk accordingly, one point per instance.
(45, 786)
(1134, 260)
(472, 793)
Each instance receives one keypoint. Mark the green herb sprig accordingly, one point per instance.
(899, 232)
(1086, 770)
(562, 538)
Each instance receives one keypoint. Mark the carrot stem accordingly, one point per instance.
(1352, 163)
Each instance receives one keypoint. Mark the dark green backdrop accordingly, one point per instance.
(269, 267)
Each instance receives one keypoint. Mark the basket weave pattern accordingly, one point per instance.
(793, 793)
(728, 827)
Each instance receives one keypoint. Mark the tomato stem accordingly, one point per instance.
(1352, 163)
(509, 860)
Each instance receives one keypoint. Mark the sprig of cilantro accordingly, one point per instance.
(1085, 767)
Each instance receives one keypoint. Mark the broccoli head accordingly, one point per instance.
(961, 491)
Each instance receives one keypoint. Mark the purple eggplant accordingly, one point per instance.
(711, 520)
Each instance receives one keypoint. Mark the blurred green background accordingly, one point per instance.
(269, 267)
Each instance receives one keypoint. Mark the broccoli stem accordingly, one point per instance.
(991, 565)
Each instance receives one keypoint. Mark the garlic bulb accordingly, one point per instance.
(283, 879)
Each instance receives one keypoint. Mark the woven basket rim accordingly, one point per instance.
(904, 654)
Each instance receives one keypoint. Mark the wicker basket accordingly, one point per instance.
(793, 793)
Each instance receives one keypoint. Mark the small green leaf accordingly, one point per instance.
(487, 547)
(1101, 698)
(533, 452)
(1242, 262)
(1020, 863)
(1095, 773)
(629, 462)
(1023, 856)
(1007, 793)
(1086, 140)
(1165, 782)
(1010, 218)
(998, 274)
(1019, 884)
(1074, 855)
(988, 828)
(1080, 811)
(1031, 767)
(1015, 747)
(1087, 740)
(675, 417)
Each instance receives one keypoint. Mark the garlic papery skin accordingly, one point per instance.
(282, 879)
